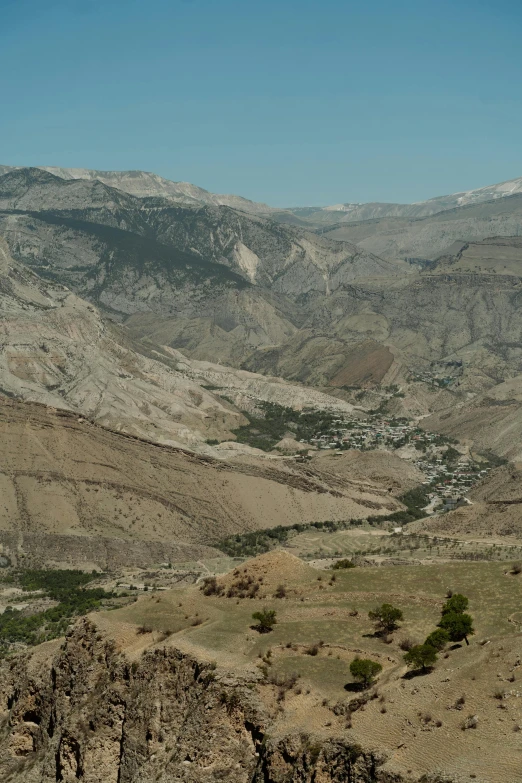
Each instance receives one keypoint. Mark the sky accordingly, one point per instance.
(290, 102)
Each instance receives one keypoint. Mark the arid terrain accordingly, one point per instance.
(179, 685)
(209, 408)
(74, 492)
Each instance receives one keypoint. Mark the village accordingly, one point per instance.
(449, 474)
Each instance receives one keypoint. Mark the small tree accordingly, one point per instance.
(266, 619)
(364, 670)
(438, 639)
(422, 656)
(386, 618)
(458, 626)
(456, 604)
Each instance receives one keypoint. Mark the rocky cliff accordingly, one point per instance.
(82, 710)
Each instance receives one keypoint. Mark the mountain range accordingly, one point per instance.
(172, 367)
(145, 184)
(177, 276)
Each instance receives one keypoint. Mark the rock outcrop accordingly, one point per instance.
(83, 711)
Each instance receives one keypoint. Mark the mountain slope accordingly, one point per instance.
(194, 272)
(492, 420)
(225, 286)
(75, 492)
(58, 350)
(429, 237)
(257, 250)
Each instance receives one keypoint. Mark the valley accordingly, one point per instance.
(211, 408)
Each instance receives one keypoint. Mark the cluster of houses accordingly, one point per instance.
(371, 434)
(433, 379)
(442, 374)
(447, 480)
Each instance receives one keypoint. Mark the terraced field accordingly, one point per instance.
(301, 668)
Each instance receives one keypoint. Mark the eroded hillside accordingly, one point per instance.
(74, 492)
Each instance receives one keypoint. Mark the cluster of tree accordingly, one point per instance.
(53, 582)
(66, 587)
(415, 500)
(451, 455)
(270, 427)
(343, 563)
(259, 541)
(492, 460)
(455, 625)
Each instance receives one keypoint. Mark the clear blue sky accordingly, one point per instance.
(293, 102)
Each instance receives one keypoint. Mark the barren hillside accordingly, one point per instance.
(76, 492)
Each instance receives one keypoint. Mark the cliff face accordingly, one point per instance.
(82, 711)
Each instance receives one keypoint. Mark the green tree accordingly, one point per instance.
(458, 626)
(386, 618)
(438, 639)
(422, 656)
(266, 619)
(364, 670)
(456, 604)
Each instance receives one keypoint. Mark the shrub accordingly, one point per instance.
(344, 563)
(516, 569)
(230, 700)
(211, 586)
(266, 619)
(312, 650)
(364, 670)
(386, 618)
(280, 592)
(406, 644)
(471, 722)
(422, 656)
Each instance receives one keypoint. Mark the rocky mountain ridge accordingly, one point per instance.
(147, 184)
